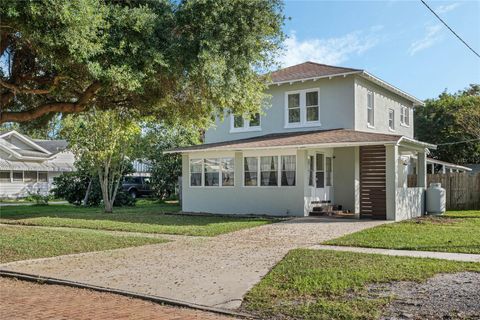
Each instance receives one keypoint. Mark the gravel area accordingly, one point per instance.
(444, 296)
(214, 272)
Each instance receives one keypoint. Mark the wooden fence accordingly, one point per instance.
(463, 189)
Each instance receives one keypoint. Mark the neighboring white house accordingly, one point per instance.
(331, 135)
(29, 165)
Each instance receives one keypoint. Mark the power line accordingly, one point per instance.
(446, 25)
(458, 142)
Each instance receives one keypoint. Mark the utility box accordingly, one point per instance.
(436, 199)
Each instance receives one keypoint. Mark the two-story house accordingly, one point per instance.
(335, 137)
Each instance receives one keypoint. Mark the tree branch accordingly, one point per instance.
(64, 107)
(17, 89)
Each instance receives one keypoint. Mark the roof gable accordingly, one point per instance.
(21, 146)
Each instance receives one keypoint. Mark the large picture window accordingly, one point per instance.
(270, 171)
(212, 172)
(370, 109)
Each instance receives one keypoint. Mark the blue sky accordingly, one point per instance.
(399, 41)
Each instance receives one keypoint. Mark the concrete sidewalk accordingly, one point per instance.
(405, 253)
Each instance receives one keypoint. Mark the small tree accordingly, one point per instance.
(166, 168)
(103, 141)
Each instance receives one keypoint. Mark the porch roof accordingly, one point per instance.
(304, 139)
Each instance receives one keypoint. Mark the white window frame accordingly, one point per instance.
(9, 176)
(220, 181)
(279, 169)
(405, 115)
(391, 111)
(246, 124)
(303, 109)
(372, 108)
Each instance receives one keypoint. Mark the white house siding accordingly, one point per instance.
(383, 101)
(17, 189)
(278, 201)
(336, 110)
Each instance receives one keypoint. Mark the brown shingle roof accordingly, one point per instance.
(308, 70)
(294, 139)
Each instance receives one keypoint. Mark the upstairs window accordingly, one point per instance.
(405, 116)
(391, 119)
(243, 123)
(370, 109)
(302, 108)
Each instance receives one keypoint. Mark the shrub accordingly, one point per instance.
(39, 198)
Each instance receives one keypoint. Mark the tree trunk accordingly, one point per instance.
(87, 193)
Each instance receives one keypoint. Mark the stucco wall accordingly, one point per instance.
(344, 177)
(410, 203)
(336, 110)
(244, 200)
(383, 101)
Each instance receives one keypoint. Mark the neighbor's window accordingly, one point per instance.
(228, 172)
(294, 108)
(196, 172)
(245, 123)
(288, 170)
(5, 176)
(269, 171)
(391, 119)
(17, 175)
(370, 109)
(320, 171)
(312, 106)
(42, 177)
(251, 171)
(30, 176)
(405, 116)
(328, 171)
(212, 171)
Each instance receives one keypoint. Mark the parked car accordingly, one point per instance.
(137, 186)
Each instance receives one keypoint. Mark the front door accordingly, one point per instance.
(322, 173)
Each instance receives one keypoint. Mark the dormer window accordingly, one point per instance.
(243, 123)
(302, 108)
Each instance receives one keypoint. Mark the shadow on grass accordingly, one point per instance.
(154, 214)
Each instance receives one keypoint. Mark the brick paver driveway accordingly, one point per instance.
(25, 300)
(214, 272)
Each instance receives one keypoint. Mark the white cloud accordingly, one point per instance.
(432, 36)
(328, 51)
(446, 8)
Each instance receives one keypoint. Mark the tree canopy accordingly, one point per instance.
(175, 60)
(453, 122)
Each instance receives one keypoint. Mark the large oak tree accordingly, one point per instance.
(178, 60)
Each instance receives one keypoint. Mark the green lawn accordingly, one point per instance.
(323, 284)
(147, 217)
(456, 231)
(20, 243)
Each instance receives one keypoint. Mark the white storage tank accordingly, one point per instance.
(436, 199)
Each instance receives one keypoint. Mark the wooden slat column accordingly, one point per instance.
(373, 203)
